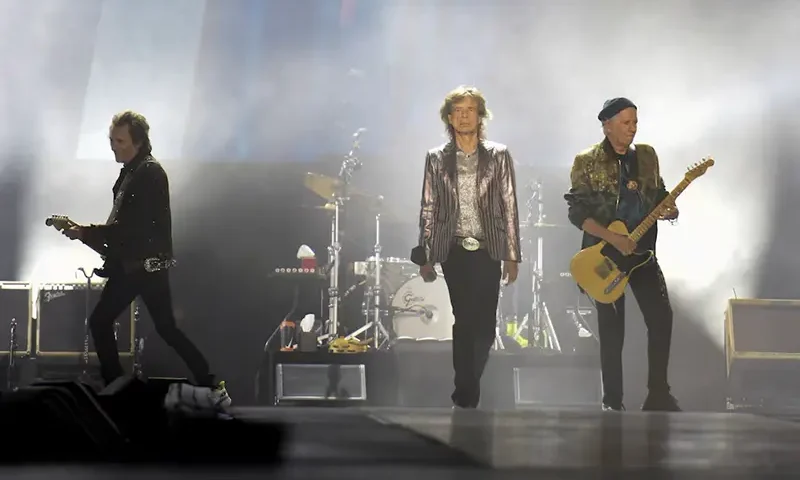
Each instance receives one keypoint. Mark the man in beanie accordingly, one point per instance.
(617, 180)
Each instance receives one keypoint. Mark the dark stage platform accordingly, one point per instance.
(443, 443)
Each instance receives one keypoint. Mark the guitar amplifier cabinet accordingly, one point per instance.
(762, 351)
(61, 315)
(15, 304)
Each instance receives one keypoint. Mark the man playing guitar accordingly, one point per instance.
(136, 242)
(615, 179)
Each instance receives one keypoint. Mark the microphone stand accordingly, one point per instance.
(85, 362)
(350, 164)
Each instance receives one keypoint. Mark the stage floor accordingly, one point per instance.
(442, 443)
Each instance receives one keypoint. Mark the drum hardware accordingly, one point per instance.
(578, 313)
(499, 320)
(541, 333)
(336, 193)
(372, 300)
(11, 376)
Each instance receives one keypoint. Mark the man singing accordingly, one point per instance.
(137, 243)
(469, 222)
(616, 180)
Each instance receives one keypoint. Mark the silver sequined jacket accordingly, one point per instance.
(497, 202)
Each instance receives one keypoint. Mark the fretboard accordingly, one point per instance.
(651, 219)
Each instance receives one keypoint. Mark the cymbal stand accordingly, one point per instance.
(333, 288)
(350, 164)
(499, 321)
(373, 306)
(11, 373)
(543, 335)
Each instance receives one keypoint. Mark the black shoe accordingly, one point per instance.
(660, 402)
(613, 408)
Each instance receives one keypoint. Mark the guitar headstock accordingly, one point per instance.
(699, 168)
(60, 222)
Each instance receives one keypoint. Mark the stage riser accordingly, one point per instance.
(424, 378)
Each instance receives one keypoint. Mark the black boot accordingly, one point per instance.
(660, 402)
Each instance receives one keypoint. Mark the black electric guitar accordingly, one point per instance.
(110, 265)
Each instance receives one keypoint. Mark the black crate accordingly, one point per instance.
(15, 303)
(61, 315)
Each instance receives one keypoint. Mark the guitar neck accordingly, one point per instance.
(651, 219)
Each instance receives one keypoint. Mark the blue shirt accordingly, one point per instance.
(629, 208)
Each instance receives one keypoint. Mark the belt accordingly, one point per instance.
(470, 244)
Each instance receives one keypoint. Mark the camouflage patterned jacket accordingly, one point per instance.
(595, 185)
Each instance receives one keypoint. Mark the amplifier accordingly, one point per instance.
(15, 304)
(762, 350)
(61, 315)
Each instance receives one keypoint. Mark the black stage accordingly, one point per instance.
(443, 443)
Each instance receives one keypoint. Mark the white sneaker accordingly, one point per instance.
(219, 396)
(197, 401)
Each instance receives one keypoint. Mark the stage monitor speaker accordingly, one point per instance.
(762, 352)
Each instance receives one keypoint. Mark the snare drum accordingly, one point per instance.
(422, 311)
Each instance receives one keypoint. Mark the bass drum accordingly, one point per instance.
(422, 311)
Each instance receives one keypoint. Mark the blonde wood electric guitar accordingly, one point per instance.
(602, 271)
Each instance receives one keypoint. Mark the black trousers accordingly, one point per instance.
(473, 280)
(650, 290)
(155, 291)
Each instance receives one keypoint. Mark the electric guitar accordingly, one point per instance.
(602, 271)
(62, 222)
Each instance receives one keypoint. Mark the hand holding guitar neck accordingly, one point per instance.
(66, 226)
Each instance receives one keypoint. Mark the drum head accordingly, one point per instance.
(423, 310)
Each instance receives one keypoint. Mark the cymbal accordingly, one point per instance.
(327, 187)
(327, 207)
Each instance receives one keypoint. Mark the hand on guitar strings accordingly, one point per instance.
(623, 243)
(73, 233)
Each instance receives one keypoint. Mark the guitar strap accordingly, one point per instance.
(632, 167)
(126, 180)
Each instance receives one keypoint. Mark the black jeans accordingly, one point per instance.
(155, 291)
(473, 280)
(650, 290)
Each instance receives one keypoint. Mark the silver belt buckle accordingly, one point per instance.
(470, 244)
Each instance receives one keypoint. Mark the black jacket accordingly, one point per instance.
(142, 227)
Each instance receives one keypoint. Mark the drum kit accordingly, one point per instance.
(398, 305)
